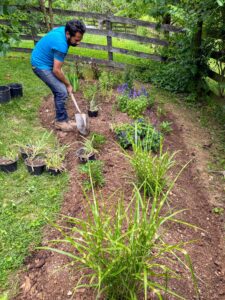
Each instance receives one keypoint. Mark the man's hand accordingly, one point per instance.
(69, 89)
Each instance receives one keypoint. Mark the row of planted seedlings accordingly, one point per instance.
(90, 164)
(37, 155)
(122, 251)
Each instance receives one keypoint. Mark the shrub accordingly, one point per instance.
(136, 107)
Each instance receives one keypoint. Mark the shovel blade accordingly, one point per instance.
(82, 123)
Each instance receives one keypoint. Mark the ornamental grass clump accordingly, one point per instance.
(124, 254)
(151, 169)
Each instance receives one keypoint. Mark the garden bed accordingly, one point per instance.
(46, 279)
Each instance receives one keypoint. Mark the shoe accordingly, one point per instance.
(64, 126)
(73, 123)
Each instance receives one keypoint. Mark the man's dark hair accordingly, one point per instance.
(74, 26)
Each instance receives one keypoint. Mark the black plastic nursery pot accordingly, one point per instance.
(25, 154)
(92, 114)
(54, 172)
(8, 166)
(5, 95)
(16, 90)
(35, 167)
(84, 158)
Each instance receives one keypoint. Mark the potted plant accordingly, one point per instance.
(55, 160)
(16, 90)
(87, 152)
(89, 93)
(35, 162)
(93, 109)
(5, 95)
(25, 150)
(8, 162)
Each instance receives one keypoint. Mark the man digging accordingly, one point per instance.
(47, 60)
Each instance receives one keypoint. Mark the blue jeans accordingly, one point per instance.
(58, 89)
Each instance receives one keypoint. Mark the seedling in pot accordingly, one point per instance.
(8, 162)
(87, 152)
(55, 160)
(36, 161)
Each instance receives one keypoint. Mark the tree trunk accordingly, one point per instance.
(51, 16)
(197, 43)
(43, 9)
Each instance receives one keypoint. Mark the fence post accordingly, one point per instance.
(109, 40)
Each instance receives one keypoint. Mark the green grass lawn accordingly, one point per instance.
(25, 201)
(101, 40)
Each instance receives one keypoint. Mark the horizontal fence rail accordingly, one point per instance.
(107, 25)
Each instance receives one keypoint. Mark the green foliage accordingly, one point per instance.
(88, 146)
(98, 140)
(137, 106)
(122, 101)
(138, 132)
(134, 107)
(165, 127)
(108, 81)
(89, 92)
(123, 254)
(74, 81)
(151, 170)
(93, 170)
(128, 77)
(55, 157)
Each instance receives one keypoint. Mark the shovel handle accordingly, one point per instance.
(75, 102)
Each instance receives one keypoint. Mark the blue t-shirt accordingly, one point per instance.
(52, 46)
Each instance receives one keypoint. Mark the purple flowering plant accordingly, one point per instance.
(132, 93)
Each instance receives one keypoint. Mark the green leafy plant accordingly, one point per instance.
(98, 140)
(136, 107)
(55, 158)
(107, 81)
(122, 101)
(88, 146)
(74, 81)
(89, 92)
(10, 154)
(160, 111)
(124, 254)
(151, 170)
(165, 127)
(218, 210)
(93, 170)
(140, 131)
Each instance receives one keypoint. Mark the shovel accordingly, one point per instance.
(81, 119)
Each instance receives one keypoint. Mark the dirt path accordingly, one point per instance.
(46, 279)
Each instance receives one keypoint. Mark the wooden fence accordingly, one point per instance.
(108, 26)
(109, 29)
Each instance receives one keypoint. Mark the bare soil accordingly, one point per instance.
(47, 275)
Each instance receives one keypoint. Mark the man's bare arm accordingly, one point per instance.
(57, 70)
